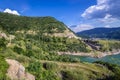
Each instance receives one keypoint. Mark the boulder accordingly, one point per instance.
(17, 71)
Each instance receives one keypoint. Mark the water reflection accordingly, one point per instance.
(111, 59)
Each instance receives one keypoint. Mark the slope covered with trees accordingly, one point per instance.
(35, 42)
(40, 31)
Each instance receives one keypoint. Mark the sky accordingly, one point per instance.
(78, 15)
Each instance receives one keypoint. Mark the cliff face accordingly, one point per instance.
(17, 71)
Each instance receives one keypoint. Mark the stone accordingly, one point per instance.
(16, 71)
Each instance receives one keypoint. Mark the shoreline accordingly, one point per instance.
(96, 54)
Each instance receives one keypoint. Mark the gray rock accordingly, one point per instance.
(16, 71)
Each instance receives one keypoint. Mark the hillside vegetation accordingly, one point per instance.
(3, 68)
(39, 31)
(109, 45)
(35, 42)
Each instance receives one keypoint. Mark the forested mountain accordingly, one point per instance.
(35, 43)
(44, 32)
(110, 33)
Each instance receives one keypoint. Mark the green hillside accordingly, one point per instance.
(44, 32)
(36, 41)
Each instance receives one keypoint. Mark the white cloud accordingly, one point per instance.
(106, 13)
(81, 27)
(108, 19)
(103, 7)
(107, 26)
(11, 11)
(107, 16)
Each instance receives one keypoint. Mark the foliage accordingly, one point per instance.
(2, 44)
(31, 41)
(50, 66)
(37, 69)
(19, 50)
(109, 45)
(33, 30)
(73, 75)
(3, 68)
(113, 67)
(44, 24)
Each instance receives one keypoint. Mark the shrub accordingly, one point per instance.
(113, 67)
(3, 68)
(2, 44)
(34, 67)
(50, 75)
(18, 50)
(29, 53)
(50, 66)
(73, 75)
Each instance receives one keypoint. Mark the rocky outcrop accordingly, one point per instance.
(67, 33)
(16, 71)
(3, 35)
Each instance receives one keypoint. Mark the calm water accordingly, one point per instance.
(111, 59)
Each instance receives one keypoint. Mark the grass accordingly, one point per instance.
(93, 71)
(3, 68)
(56, 70)
(109, 45)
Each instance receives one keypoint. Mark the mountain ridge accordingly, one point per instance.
(101, 33)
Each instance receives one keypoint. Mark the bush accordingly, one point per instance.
(18, 50)
(29, 53)
(113, 67)
(2, 44)
(73, 75)
(3, 68)
(34, 67)
(50, 75)
(50, 66)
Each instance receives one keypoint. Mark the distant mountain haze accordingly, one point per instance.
(110, 33)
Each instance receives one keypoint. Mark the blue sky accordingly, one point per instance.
(84, 14)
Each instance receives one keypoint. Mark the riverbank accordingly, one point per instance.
(95, 54)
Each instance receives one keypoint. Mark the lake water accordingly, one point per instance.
(115, 59)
